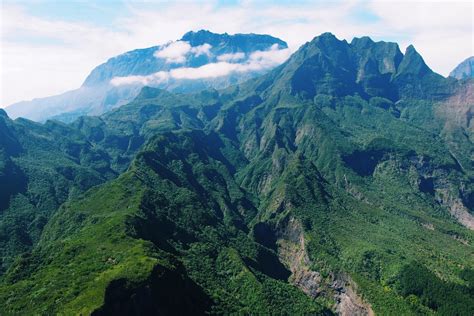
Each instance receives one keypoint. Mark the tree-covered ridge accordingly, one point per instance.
(339, 181)
(177, 200)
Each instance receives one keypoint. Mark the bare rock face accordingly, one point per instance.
(457, 208)
(292, 252)
(443, 190)
(347, 301)
(458, 109)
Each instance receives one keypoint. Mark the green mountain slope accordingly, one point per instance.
(340, 182)
(178, 200)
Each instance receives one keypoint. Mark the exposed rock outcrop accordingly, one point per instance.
(457, 208)
(292, 252)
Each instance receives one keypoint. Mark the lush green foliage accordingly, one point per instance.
(422, 286)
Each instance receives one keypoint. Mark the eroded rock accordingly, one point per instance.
(292, 252)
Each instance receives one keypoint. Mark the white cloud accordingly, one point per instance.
(204, 49)
(231, 57)
(269, 58)
(212, 70)
(257, 61)
(176, 52)
(441, 31)
(156, 78)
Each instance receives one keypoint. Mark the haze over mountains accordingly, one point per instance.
(197, 61)
(464, 70)
(340, 182)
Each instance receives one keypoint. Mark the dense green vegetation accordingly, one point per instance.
(327, 177)
(179, 185)
(423, 287)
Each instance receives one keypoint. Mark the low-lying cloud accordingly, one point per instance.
(156, 78)
(225, 65)
(176, 52)
(231, 57)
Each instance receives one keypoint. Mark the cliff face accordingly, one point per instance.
(337, 287)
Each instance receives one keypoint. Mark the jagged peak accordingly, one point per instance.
(326, 35)
(327, 38)
(363, 41)
(200, 37)
(325, 42)
(385, 56)
(410, 50)
(413, 63)
(201, 33)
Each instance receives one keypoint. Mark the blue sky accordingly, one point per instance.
(48, 47)
(100, 13)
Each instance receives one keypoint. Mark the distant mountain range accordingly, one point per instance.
(197, 61)
(464, 70)
(340, 182)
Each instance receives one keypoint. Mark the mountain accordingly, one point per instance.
(218, 60)
(340, 182)
(464, 70)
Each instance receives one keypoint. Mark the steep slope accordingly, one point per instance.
(337, 181)
(176, 222)
(227, 59)
(464, 70)
(44, 165)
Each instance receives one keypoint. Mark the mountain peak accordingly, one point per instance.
(193, 33)
(327, 39)
(326, 35)
(327, 65)
(244, 42)
(413, 63)
(362, 42)
(411, 51)
(380, 56)
(203, 36)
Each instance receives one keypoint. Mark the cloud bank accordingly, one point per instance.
(231, 57)
(226, 64)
